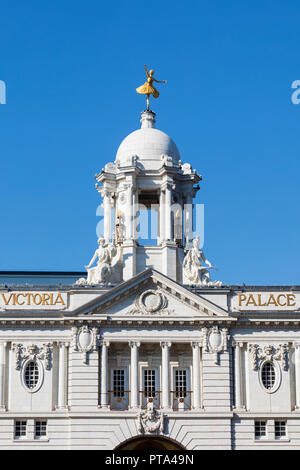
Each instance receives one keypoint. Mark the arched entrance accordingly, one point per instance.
(150, 443)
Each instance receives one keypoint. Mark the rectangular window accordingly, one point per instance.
(20, 429)
(40, 429)
(280, 429)
(119, 382)
(260, 429)
(180, 383)
(149, 382)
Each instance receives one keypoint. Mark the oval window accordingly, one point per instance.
(268, 375)
(31, 375)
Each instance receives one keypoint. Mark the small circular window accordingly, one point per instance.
(268, 375)
(31, 375)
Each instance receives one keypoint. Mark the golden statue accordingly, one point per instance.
(148, 89)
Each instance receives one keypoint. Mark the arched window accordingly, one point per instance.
(31, 375)
(268, 375)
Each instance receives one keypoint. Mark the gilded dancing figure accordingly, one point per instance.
(148, 88)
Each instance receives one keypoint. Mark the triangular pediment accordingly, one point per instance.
(152, 295)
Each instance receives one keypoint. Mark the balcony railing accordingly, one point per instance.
(150, 396)
(119, 399)
(181, 400)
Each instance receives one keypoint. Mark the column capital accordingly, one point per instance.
(196, 344)
(105, 343)
(63, 344)
(296, 345)
(238, 344)
(165, 344)
(133, 344)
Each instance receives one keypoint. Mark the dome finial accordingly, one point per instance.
(148, 119)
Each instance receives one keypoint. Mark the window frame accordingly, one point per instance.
(259, 437)
(41, 375)
(42, 436)
(21, 436)
(278, 376)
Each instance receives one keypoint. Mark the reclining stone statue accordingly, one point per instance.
(193, 270)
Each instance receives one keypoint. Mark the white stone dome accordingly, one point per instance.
(148, 144)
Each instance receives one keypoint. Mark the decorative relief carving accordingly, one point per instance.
(215, 341)
(150, 302)
(150, 420)
(32, 351)
(270, 353)
(84, 340)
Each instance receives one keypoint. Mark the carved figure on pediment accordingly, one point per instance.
(107, 255)
(193, 269)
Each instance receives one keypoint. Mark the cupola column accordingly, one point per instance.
(129, 213)
(168, 203)
(188, 222)
(162, 217)
(107, 215)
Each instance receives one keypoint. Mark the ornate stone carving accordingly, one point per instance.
(215, 341)
(193, 270)
(33, 352)
(84, 340)
(270, 353)
(150, 302)
(108, 256)
(150, 420)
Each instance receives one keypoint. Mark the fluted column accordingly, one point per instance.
(196, 375)
(62, 374)
(107, 216)
(162, 216)
(165, 370)
(237, 374)
(188, 219)
(168, 215)
(297, 375)
(104, 400)
(134, 345)
(2, 375)
(129, 213)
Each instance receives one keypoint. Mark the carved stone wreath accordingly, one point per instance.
(32, 351)
(270, 353)
(150, 302)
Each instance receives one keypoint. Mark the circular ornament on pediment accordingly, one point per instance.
(151, 301)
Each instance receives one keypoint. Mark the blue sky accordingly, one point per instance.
(71, 69)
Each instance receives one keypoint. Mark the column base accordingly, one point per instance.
(104, 407)
(3, 408)
(62, 408)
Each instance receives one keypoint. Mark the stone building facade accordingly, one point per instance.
(146, 351)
